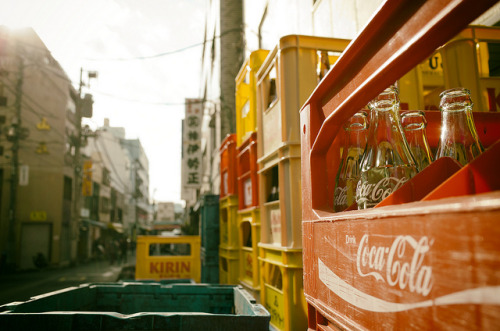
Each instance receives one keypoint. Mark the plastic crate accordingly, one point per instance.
(425, 264)
(246, 96)
(229, 261)
(420, 88)
(468, 60)
(209, 257)
(285, 80)
(281, 219)
(228, 208)
(209, 266)
(249, 235)
(138, 306)
(282, 291)
(209, 272)
(168, 257)
(248, 181)
(209, 224)
(228, 184)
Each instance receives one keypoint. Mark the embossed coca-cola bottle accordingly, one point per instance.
(414, 124)
(458, 137)
(355, 134)
(387, 162)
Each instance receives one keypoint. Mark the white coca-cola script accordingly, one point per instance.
(400, 265)
(340, 198)
(376, 192)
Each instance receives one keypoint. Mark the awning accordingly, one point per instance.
(118, 227)
(94, 223)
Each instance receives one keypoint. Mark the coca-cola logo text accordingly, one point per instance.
(376, 192)
(340, 198)
(400, 265)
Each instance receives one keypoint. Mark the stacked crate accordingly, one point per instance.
(285, 80)
(209, 225)
(228, 207)
(466, 60)
(427, 256)
(248, 185)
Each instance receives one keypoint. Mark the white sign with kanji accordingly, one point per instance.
(191, 144)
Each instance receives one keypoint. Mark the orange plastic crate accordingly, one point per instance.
(425, 264)
(228, 184)
(248, 180)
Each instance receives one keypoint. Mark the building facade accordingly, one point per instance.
(39, 138)
(37, 115)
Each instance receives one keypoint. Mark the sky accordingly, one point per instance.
(148, 57)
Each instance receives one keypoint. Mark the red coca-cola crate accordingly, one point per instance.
(248, 180)
(425, 264)
(227, 151)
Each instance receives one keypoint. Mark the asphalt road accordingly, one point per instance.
(22, 286)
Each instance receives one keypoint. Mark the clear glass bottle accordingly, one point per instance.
(414, 124)
(355, 134)
(387, 162)
(323, 65)
(458, 137)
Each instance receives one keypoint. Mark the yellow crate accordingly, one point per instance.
(249, 229)
(284, 82)
(465, 61)
(281, 220)
(168, 258)
(228, 265)
(246, 96)
(228, 207)
(420, 88)
(282, 290)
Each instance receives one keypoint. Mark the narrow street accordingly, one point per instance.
(23, 285)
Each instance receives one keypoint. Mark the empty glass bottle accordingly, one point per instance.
(323, 65)
(355, 133)
(414, 124)
(387, 162)
(458, 137)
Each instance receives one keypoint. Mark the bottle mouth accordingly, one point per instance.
(455, 99)
(357, 122)
(413, 120)
(385, 100)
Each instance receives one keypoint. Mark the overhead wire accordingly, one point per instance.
(162, 54)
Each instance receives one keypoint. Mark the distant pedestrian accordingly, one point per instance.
(111, 250)
(123, 250)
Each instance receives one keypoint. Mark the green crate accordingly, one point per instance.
(138, 306)
(209, 225)
(210, 257)
(209, 273)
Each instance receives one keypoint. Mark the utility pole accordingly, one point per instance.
(13, 135)
(83, 108)
(77, 167)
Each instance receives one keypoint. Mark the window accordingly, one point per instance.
(68, 188)
(106, 177)
(105, 205)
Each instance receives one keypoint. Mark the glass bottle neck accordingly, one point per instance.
(456, 125)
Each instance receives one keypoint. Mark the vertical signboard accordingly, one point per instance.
(24, 174)
(191, 146)
(87, 178)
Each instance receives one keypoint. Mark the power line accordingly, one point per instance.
(138, 101)
(147, 57)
